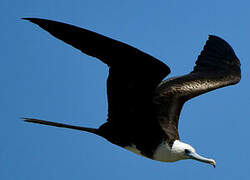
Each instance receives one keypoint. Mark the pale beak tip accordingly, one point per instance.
(213, 163)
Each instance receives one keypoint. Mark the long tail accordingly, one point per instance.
(38, 121)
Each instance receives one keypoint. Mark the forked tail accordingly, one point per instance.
(38, 121)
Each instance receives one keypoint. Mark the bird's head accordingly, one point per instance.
(188, 152)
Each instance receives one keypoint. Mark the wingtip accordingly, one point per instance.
(27, 19)
(215, 37)
(223, 48)
(218, 39)
(33, 20)
(30, 120)
(25, 119)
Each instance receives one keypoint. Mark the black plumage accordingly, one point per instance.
(143, 110)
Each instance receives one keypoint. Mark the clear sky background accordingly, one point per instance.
(42, 77)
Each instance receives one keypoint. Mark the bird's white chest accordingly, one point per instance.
(162, 153)
(166, 154)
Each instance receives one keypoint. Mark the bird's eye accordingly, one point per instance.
(187, 151)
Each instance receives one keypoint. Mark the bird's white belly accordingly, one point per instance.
(162, 153)
(165, 154)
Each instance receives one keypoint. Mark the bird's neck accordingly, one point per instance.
(164, 152)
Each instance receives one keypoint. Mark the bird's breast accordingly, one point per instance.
(162, 153)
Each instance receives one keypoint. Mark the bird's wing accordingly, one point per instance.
(109, 51)
(133, 74)
(217, 66)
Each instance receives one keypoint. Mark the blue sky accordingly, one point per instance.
(44, 78)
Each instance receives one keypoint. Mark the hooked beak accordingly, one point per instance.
(194, 155)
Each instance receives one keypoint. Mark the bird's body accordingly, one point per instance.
(143, 110)
(163, 151)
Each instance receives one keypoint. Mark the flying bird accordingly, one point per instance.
(144, 109)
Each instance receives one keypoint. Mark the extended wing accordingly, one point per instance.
(217, 66)
(133, 74)
(109, 51)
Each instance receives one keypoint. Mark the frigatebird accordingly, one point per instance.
(144, 109)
